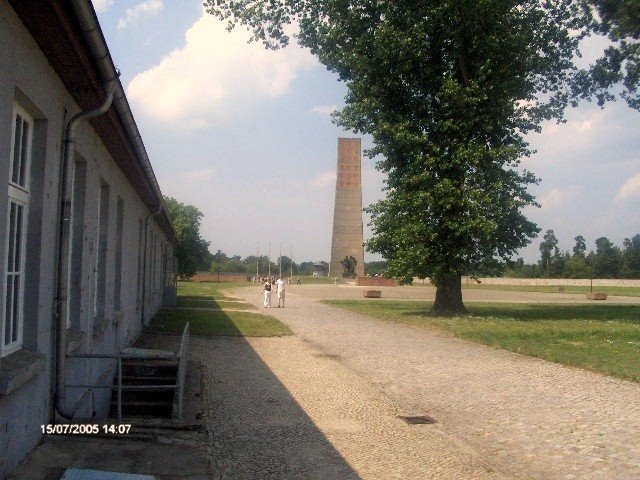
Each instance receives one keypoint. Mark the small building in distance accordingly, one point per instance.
(86, 247)
(319, 269)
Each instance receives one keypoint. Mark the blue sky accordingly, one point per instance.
(245, 135)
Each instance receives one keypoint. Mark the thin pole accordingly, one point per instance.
(291, 265)
(257, 261)
(280, 261)
(269, 258)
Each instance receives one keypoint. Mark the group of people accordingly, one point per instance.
(270, 284)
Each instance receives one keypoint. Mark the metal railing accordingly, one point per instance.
(182, 371)
(144, 354)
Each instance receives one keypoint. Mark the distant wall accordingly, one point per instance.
(375, 282)
(223, 277)
(602, 282)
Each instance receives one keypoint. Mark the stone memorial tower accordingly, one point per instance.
(347, 237)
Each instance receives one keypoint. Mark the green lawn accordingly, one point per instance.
(226, 321)
(191, 302)
(211, 291)
(220, 322)
(615, 291)
(602, 338)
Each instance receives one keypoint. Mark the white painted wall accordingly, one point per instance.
(27, 78)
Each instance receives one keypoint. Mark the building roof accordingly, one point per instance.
(69, 35)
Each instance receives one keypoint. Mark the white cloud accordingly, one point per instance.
(102, 6)
(557, 197)
(630, 189)
(591, 137)
(324, 180)
(215, 66)
(324, 109)
(204, 175)
(148, 8)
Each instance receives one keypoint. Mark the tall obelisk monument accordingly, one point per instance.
(347, 237)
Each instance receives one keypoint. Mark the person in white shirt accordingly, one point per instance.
(267, 293)
(281, 287)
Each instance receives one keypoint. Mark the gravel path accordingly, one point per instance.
(279, 408)
(525, 417)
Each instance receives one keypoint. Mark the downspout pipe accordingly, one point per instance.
(87, 18)
(63, 228)
(144, 262)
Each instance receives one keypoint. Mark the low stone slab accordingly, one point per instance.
(19, 368)
(596, 296)
(372, 294)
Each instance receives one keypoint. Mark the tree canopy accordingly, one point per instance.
(447, 89)
(193, 250)
(619, 20)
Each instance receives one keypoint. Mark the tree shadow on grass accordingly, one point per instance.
(197, 302)
(533, 312)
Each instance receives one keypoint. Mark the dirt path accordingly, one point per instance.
(525, 417)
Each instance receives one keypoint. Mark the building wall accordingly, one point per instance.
(27, 79)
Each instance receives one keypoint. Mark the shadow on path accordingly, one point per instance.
(256, 428)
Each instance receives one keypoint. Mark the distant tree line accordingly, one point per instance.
(607, 261)
(223, 263)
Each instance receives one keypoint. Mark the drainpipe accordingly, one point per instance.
(144, 263)
(62, 270)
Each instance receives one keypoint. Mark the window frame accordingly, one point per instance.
(18, 194)
(102, 247)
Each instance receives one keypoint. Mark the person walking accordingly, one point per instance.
(281, 288)
(267, 293)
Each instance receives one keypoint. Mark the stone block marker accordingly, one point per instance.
(596, 296)
(372, 293)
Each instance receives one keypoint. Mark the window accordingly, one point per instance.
(117, 306)
(102, 238)
(17, 205)
(152, 266)
(140, 247)
(77, 243)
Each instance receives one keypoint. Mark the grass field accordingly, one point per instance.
(578, 289)
(601, 338)
(224, 320)
(192, 302)
(615, 291)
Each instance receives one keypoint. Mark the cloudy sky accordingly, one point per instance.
(245, 135)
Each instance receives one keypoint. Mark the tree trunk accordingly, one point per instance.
(448, 296)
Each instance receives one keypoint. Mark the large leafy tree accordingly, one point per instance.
(192, 250)
(580, 248)
(551, 260)
(619, 20)
(447, 89)
(631, 257)
(607, 261)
